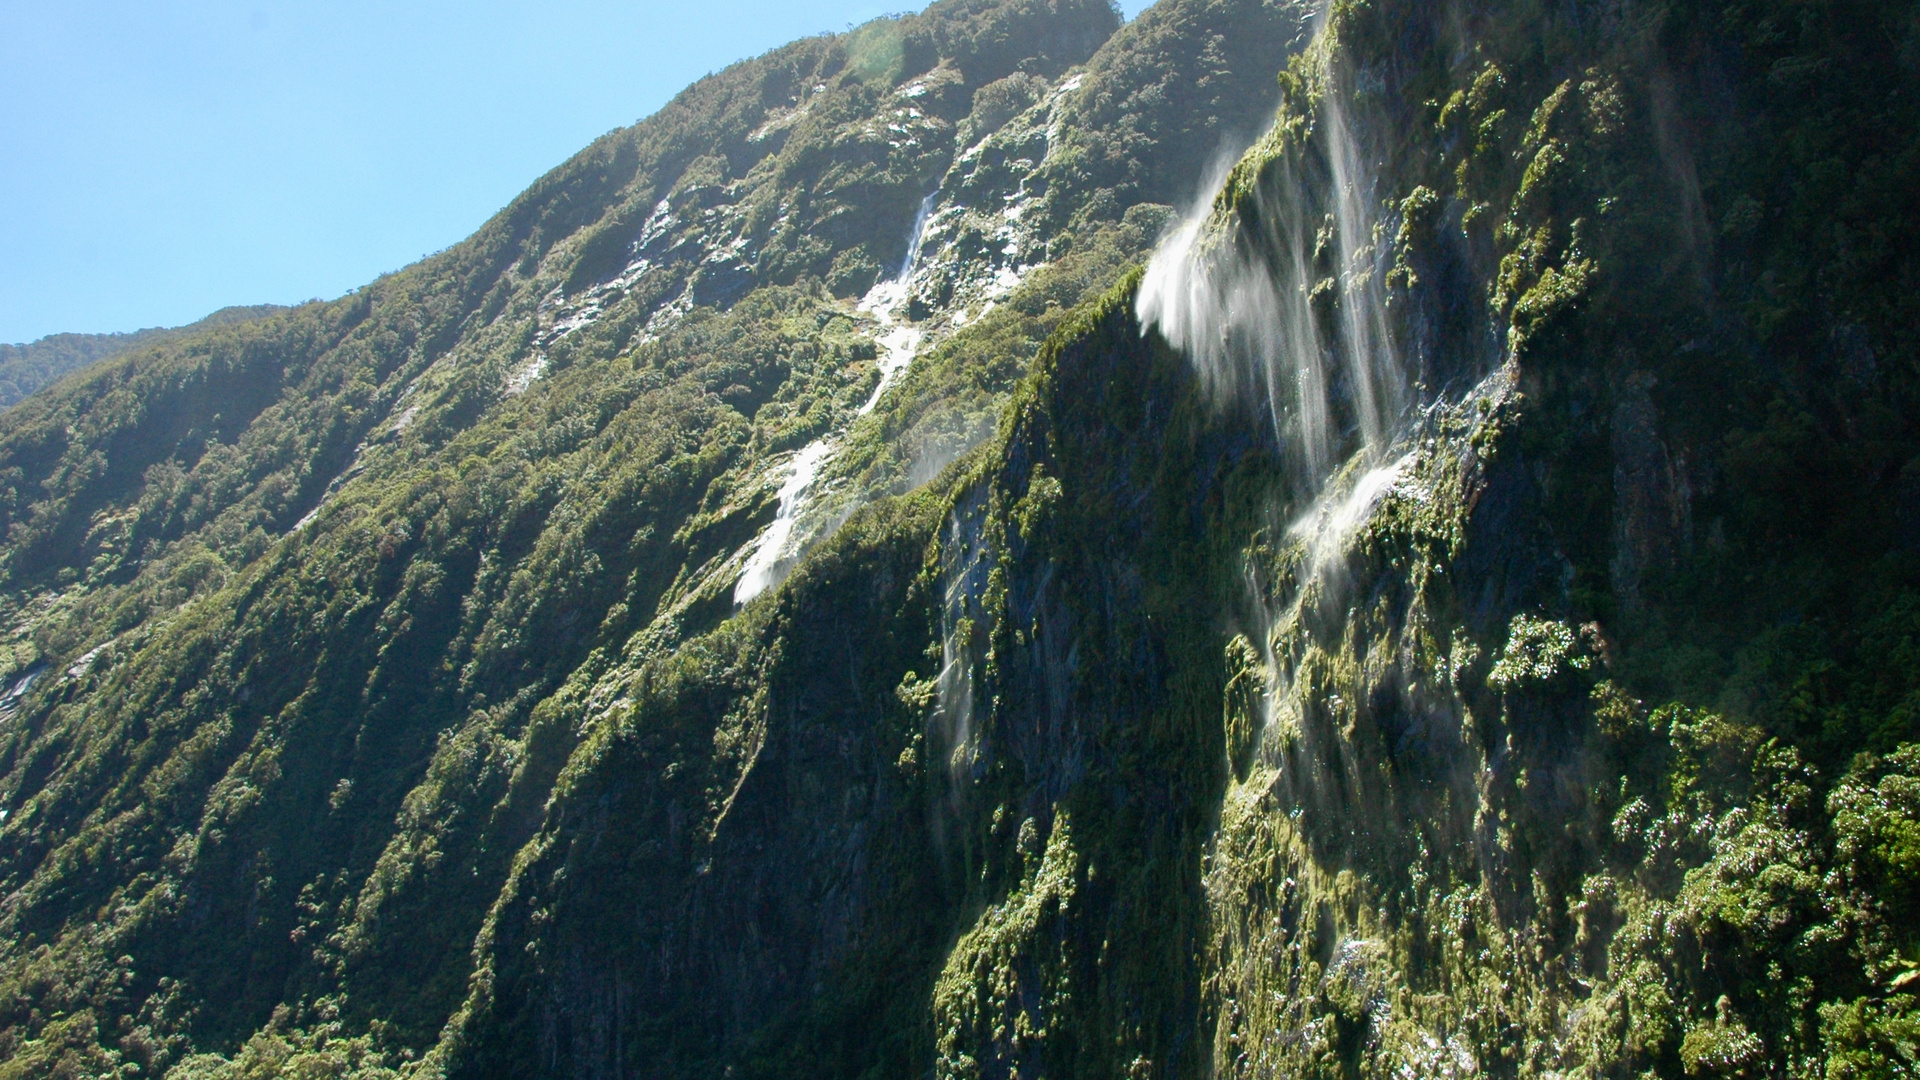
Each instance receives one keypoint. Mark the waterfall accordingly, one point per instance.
(772, 554)
(898, 344)
(1356, 769)
(1332, 519)
(898, 341)
(964, 573)
(1288, 316)
(781, 544)
(918, 236)
(1274, 286)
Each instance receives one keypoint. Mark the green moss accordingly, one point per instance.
(480, 761)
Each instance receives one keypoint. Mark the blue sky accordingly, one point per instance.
(159, 160)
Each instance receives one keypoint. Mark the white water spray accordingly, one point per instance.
(1333, 518)
(1289, 316)
(964, 575)
(1361, 753)
(1280, 301)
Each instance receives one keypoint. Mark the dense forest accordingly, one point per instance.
(1275, 539)
(26, 368)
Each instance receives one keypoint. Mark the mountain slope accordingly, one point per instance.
(791, 596)
(1280, 716)
(26, 368)
(300, 605)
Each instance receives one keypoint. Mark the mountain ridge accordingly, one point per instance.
(1436, 607)
(25, 368)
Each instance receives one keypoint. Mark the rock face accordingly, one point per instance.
(1450, 611)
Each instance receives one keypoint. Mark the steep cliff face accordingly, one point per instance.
(309, 615)
(1449, 612)
(1499, 302)
(1376, 642)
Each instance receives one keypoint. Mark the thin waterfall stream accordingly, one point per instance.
(778, 546)
(898, 341)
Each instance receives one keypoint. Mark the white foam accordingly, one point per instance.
(774, 548)
(1334, 518)
(525, 375)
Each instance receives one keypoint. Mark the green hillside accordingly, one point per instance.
(26, 368)
(977, 547)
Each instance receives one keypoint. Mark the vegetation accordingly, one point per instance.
(26, 368)
(376, 704)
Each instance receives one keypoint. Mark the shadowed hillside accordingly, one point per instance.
(1272, 540)
(26, 368)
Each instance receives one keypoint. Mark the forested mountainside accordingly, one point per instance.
(906, 563)
(26, 368)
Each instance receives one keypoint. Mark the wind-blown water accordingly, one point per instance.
(1359, 756)
(1274, 286)
(964, 574)
(1336, 515)
(1289, 316)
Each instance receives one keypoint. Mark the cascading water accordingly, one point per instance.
(964, 580)
(1290, 317)
(919, 236)
(898, 342)
(780, 545)
(1331, 521)
(1275, 287)
(1362, 763)
(774, 545)
(1287, 318)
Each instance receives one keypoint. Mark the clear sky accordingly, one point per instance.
(160, 159)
